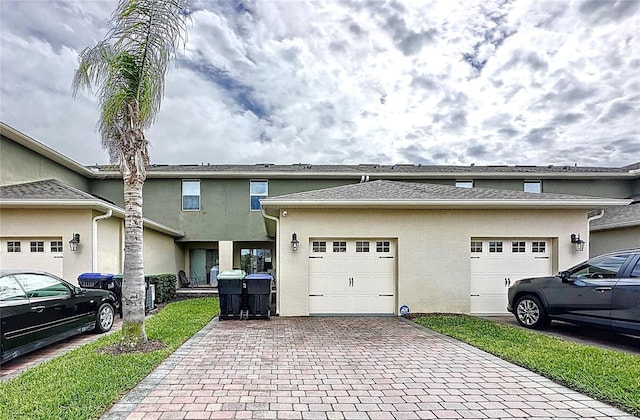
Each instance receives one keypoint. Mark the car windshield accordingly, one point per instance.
(605, 267)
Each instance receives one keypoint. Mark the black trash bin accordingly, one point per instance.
(149, 300)
(259, 295)
(230, 286)
(104, 281)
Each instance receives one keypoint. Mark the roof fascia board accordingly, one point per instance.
(36, 146)
(448, 204)
(376, 175)
(89, 204)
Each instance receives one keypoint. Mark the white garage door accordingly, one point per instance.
(33, 254)
(497, 262)
(348, 276)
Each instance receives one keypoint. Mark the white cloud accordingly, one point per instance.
(489, 82)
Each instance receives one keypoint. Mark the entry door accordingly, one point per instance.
(352, 276)
(498, 262)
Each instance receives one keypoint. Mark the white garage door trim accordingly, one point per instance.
(45, 254)
(352, 276)
(498, 262)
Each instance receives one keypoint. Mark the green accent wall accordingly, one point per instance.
(20, 164)
(224, 213)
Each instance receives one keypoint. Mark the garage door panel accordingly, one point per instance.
(360, 278)
(44, 254)
(498, 262)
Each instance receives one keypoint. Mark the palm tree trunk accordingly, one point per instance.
(133, 284)
(133, 163)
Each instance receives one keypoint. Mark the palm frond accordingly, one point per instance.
(130, 64)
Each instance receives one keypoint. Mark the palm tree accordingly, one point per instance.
(128, 69)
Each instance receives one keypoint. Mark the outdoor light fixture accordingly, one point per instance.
(73, 243)
(294, 242)
(577, 242)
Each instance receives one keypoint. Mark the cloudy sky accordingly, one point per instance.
(346, 82)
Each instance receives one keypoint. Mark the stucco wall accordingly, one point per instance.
(18, 165)
(603, 241)
(161, 254)
(433, 272)
(25, 223)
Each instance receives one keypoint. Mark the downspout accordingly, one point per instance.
(94, 259)
(277, 220)
(590, 219)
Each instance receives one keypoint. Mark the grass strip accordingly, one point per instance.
(606, 375)
(83, 384)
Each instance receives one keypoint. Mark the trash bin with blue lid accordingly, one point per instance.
(230, 287)
(259, 295)
(96, 281)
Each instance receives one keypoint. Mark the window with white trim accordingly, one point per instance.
(190, 194)
(539, 247)
(319, 246)
(464, 184)
(362, 246)
(383, 246)
(518, 246)
(495, 247)
(14, 246)
(56, 246)
(37, 246)
(476, 246)
(339, 246)
(532, 186)
(259, 189)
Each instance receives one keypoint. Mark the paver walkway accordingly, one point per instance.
(344, 368)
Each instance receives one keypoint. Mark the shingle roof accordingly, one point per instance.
(49, 189)
(412, 191)
(618, 217)
(373, 169)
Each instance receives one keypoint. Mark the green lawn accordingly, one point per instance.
(606, 375)
(83, 383)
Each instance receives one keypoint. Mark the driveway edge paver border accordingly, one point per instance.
(124, 406)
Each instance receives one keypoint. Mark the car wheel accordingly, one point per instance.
(530, 313)
(104, 318)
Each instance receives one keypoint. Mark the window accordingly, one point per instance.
(362, 246)
(339, 246)
(464, 184)
(518, 246)
(533, 186)
(476, 246)
(382, 246)
(37, 246)
(636, 270)
(191, 195)
(539, 247)
(10, 289)
(258, 191)
(13, 246)
(601, 268)
(56, 246)
(495, 246)
(41, 286)
(319, 246)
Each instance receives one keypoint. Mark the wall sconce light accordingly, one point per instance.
(577, 242)
(294, 242)
(73, 243)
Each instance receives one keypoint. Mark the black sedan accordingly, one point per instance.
(38, 308)
(602, 292)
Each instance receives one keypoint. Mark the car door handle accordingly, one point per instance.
(602, 289)
(38, 308)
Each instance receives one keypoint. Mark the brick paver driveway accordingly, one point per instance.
(344, 368)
